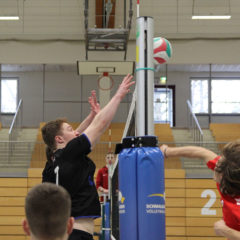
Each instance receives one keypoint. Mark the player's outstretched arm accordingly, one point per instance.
(105, 116)
(188, 152)
(95, 108)
(221, 229)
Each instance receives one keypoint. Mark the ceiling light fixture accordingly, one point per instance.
(211, 17)
(9, 17)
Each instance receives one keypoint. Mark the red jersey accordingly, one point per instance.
(231, 206)
(102, 178)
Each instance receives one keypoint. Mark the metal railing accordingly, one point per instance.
(15, 127)
(34, 152)
(194, 126)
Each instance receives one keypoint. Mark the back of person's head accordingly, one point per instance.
(48, 209)
(229, 168)
(50, 130)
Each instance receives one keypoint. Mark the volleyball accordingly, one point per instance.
(162, 50)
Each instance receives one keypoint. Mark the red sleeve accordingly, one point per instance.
(212, 163)
(99, 179)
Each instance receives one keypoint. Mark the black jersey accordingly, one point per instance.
(76, 175)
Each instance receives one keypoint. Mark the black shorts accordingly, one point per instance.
(80, 235)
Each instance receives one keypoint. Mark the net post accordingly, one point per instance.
(145, 76)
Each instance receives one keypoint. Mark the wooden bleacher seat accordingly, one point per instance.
(12, 197)
(225, 132)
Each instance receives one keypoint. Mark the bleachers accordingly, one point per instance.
(39, 155)
(225, 132)
(188, 217)
(164, 134)
(12, 197)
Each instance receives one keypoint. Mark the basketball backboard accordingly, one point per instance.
(98, 68)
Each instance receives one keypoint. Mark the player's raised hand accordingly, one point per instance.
(95, 107)
(124, 87)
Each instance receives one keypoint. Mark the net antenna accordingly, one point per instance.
(129, 129)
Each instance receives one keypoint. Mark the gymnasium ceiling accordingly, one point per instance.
(64, 19)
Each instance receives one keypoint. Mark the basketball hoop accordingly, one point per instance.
(105, 82)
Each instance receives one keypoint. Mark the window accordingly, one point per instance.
(163, 105)
(199, 92)
(225, 97)
(8, 95)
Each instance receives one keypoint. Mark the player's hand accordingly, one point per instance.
(105, 191)
(220, 227)
(124, 87)
(95, 107)
(164, 148)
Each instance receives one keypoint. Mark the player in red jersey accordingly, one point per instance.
(227, 176)
(102, 175)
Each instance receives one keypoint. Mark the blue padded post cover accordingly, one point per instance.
(151, 193)
(127, 194)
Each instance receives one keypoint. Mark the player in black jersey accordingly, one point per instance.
(75, 169)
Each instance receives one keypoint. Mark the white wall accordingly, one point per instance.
(68, 52)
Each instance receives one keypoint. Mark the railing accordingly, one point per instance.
(34, 152)
(193, 125)
(15, 127)
(20, 156)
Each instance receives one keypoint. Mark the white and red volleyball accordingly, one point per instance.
(162, 50)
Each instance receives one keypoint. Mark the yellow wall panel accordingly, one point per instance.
(201, 222)
(174, 173)
(201, 183)
(200, 231)
(177, 192)
(35, 172)
(12, 201)
(175, 231)
(11, 237)
(34, 181)
(13, 182)
(175, 221)
(10, 192)
(12, 211)
(11, 230)
(175, 212)
(175, 183)
(11, 220)
(175, 202)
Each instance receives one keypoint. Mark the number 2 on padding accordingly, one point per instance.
(206, 208)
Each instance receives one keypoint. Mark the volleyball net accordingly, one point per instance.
(129, 130)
